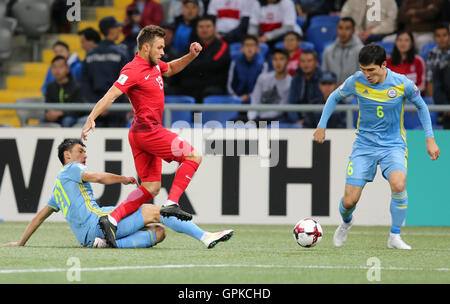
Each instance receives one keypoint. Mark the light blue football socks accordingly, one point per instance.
(187, 227)
(398, 208)
(346, 214)
(139, 239)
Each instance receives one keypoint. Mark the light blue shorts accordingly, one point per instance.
(127, 226)
(363, 163)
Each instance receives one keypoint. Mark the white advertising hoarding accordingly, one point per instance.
(270, 176)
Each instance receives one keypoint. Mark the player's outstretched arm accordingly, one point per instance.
(32, 226)
(106, 178)
(177, 65)
(101, 106)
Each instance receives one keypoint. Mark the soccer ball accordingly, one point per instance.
(308, 232)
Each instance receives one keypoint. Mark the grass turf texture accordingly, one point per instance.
(255, 254)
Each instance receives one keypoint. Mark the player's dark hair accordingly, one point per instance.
(396, 57)
(372, 53)
(348, 19)
(59, 57)
(280, 51)
(63, 44)
(67, 145)
(148, 33)
(91, 35)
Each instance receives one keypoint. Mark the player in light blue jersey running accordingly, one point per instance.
(380, 137)
(73, 196)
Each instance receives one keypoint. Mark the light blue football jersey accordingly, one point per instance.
(381, 108)
(75, 199)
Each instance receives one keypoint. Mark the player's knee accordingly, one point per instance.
(195, 156)
(160, 232)
(398, 187)
(153, 188)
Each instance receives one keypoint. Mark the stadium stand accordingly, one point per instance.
(220, 117)
(180, 115)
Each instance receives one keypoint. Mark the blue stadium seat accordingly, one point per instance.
(426, 48)
(322, 19)
(411, 119)
(354, 101)
(235, 49)
(219, 116)
(320, 35)
(387, 45)
(180, 115)
(301, 21)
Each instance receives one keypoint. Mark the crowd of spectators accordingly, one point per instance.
(234, 35)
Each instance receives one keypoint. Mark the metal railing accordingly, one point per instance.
(169, 108)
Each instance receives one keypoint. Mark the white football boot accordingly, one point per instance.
(396, 242)
(213, 238)
(340, 235)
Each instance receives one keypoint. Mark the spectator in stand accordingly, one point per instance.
(170, 53)
(185, 25)
(327, 84)
(232, 18)
(208, 73)
(61, 48)
(176, 7)
(89, 39)
(419, 17)
(441, 94)
(292, 42)
(271, 19)
(141, 13)
(438, 78)
(272, 88)
(341, 57)
(244, 71)
(436, 54)
(305, 84)
(101, 69)
(405, 61)
(64, 89)
(368, 25)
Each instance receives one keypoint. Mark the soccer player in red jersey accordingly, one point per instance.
(141, 80)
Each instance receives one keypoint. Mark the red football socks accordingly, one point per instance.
(182, 179)
(132, 203)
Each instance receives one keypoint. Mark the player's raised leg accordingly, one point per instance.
(398, 208)
(183, 177)
(346, 207)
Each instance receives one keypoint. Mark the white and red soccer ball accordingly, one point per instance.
(308, 232)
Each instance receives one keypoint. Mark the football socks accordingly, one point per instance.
(398, 208)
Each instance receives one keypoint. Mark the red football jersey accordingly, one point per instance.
(144, 86)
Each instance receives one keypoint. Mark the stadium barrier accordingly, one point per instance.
(169, 108)
(248, 176)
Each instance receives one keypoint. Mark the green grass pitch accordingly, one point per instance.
(259, 254)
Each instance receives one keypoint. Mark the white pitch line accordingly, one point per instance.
(117, 268)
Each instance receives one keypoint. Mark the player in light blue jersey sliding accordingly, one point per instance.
(73, 196)
(380, 137)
